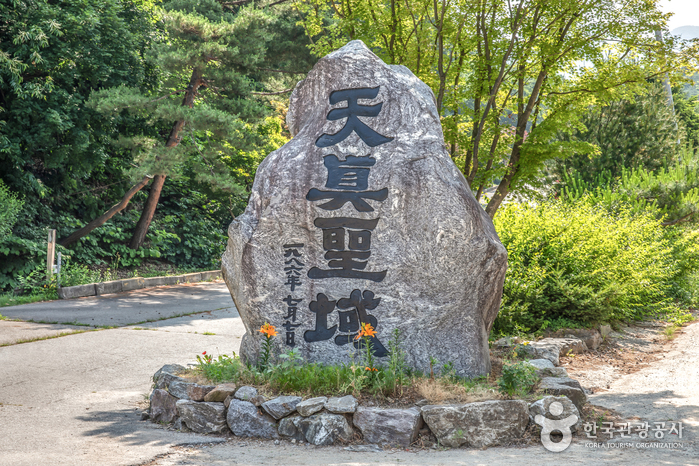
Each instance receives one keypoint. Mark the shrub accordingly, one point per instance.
(580, 262)
(517, 379)
(10, 206)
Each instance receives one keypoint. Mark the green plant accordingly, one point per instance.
(580, 262)
(269, 332)
(517, 379)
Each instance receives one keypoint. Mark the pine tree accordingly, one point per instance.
(219, 62)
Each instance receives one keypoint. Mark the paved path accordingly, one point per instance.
(76, 399)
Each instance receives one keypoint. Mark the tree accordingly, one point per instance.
(215, 59)
(509, 76)
(54, 54)
(640, 132)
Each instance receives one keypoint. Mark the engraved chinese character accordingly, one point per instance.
(347, 262)
(352, 177)
(351, 112)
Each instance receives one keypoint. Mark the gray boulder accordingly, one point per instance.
(245, 393)
(564, 386)
(545, 368)
(317, 429)
(388, 426)
(245, 420)
(288, 427)
(162, 406)
(342, 405)
(481, 424)
(203, 417)
(167, 374)
(366, 221)
(553, 348)
(188, 390)
(543, 407)
(281, 406)
(311, 405)
(591, 337)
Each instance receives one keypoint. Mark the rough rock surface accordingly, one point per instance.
(257, 400)
(591, 337)
(162, 406)
(481, 424)
(311, 405)
(220, 392)
(553, 348)
(189, 391)
(167, 374)
(565, 387)
(388, 426)
(317, 429)
(281, 406)
(542, 407)
(545, 368)
(245, 420)
(342, 405)
(245, 393)
(288, 427)
(203, 417)
(391, 233)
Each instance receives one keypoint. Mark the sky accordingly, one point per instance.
(686, 12)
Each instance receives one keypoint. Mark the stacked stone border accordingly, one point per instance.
(240, 410)
(136, 283)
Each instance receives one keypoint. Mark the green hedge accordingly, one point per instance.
(578, 262)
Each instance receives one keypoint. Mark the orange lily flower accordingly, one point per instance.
(268, 330)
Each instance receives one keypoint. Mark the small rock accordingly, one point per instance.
(541, 363)
(605, 330)
(545, 368)
(388, 426)
(162, 406)
(566, 387)
(245, 393)
(188, 390)
(220, 392)
(145, 415)
(481, 424)
(281, 406)
(257, 400)
(246, 421)
(311, 406)
(553, 348)
(203, 417)
(346, 404)
(276, 442)
(227, 401)
(542, 407)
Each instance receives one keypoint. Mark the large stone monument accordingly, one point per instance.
(363, 217)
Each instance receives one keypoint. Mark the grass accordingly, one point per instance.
(670, 331)
(391, 382)
(9, 299)
(50, 337)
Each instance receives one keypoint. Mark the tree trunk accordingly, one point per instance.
(139, 234)
(99, 221)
